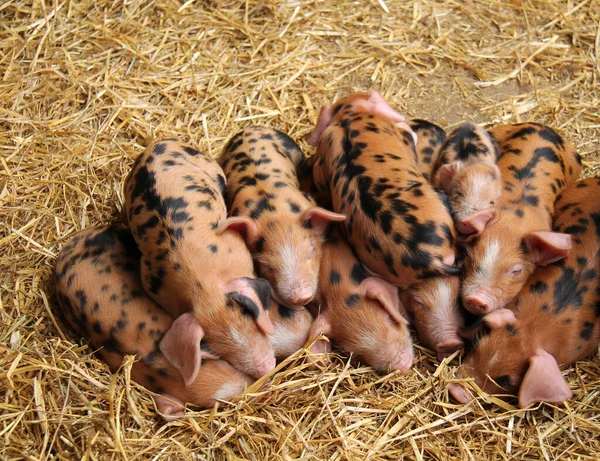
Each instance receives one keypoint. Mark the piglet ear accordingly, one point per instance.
(445, 174)
(320, 326)
(543, 381)
(181, 346)
(254, 296)
(325, 117)
(474, 225)
(377, 104)
(547, 247)
(246, 227)
(387, 294)
(319, 218)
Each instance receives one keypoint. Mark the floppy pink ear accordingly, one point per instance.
(320, 218)
(543, 381)
(320, 326)
(181, 346)
(445, 174)
(246, 227)
(547, 247)
(325, 117)
(474, 225)
(387, 294)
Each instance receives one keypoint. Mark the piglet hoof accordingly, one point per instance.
(170, 408)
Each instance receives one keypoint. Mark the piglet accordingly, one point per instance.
(195, 263)
(536, 163)
(436, 314)
(283, 226)
(430, 139)
(555, 319)
(466, 170)
(399, 226)
(291, 329)
(360, 313)
(100, 293)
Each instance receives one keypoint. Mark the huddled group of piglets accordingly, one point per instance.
(387, 215)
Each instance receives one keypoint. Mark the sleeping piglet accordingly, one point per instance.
(283, 226)
(536, 163)
(466, 170)
(555, 319)
(398, 224)
(195, 264)
(100, 293)
(361, 314)
(436, 314)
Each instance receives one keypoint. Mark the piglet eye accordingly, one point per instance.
(517, 270)
(492, 203)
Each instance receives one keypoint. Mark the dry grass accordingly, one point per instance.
(85, 86)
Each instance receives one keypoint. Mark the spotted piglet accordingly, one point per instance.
(536, 163)
(555, 319)
(99, 290)
(433, 303)
(283, 226)
(195, 263)
(361, 314)
(398, 224)
(466, 170)
(430, 139)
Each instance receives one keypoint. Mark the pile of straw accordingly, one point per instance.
(86, 85)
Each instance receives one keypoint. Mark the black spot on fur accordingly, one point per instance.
(352, 300)
(334, 278)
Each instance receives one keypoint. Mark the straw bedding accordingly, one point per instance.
(85, 86)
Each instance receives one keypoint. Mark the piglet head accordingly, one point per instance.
(434, 305)
(244, 327)
(288, 253)
(473, 192)
(503, 360)
(373, 325)
(500, 261)
(499, 352)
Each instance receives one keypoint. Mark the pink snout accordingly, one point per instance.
(403, 361)
(448, 347)
(301, 295)
(479, 304)
(262, 368)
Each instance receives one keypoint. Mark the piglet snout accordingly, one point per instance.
(403, 361)
(448, 347)
(263, 367)
(301, 294)
(478, 304)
